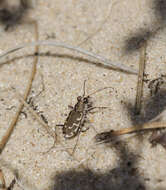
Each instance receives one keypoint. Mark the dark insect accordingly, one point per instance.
(76, 119)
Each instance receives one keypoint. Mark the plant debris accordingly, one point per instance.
(109, 135)
(101, 60)
(140, 79)
(157, 84)
(158, 138)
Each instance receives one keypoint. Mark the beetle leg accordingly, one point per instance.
(60, 125)
(84, 129)
(70, 107)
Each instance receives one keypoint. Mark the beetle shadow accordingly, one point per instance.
(152, 107)
(160, 10)
(137, 40)
(125, 176)
(140, 37)
(11, 16)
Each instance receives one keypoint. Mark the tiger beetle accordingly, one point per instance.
(77, 117)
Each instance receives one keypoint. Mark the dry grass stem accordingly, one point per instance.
(9, 131)
(105, 62)
(146, 126)
(110, 9)
(2, 181)
(140, 79)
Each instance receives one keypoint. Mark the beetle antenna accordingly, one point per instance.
(101, 89)
(84, 88)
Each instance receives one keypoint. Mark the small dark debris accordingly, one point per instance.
(44, 118)
(145, 79)
(11, 186)
(10, 108)
(160, 180)
(133, 172)
(155, 85)
(147, 179)
(158, 138)
(104, 137)
(140, 187)
(31, 103)
(23, 113)
(129, 163)
(51, 36)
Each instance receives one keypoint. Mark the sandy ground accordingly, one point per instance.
(111, 28)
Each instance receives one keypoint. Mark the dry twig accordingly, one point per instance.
(105, 62)
(2, 181)
(9, 131)
(140, 79)
(107, 136)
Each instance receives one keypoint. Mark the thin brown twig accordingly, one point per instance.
(102, 60)
(140, 79)
(2, 181)
(146, 126)
(101, 25)
(108, 136)
(9, 131)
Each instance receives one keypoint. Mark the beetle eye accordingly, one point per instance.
(79, 98)
(85, 100)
